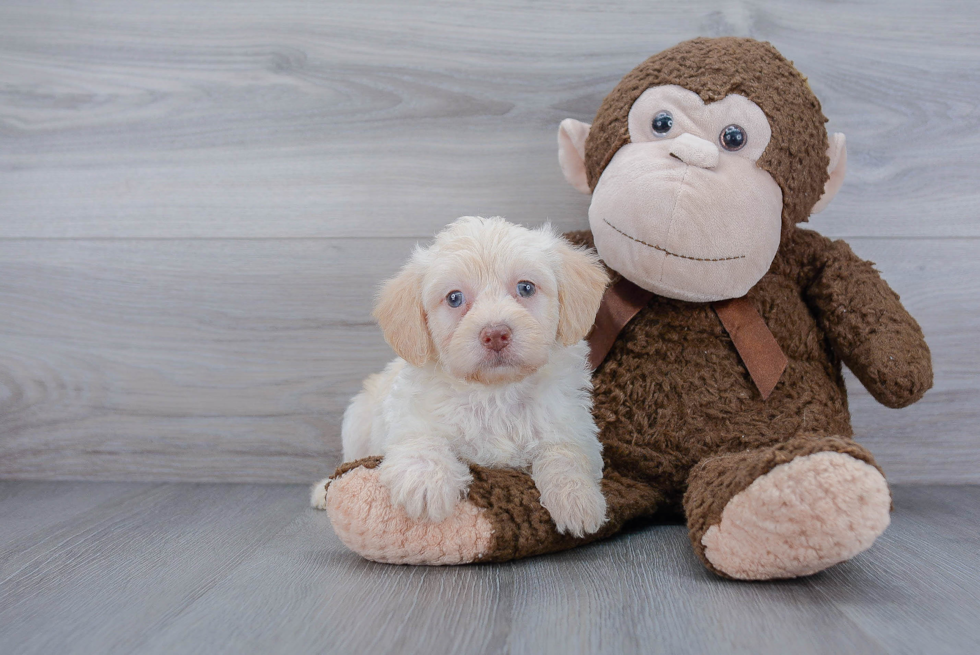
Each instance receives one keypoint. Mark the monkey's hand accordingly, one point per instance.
(869, 329)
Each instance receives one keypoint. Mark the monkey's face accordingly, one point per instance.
(682, 209)
(700, 161)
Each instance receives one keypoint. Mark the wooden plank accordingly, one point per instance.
(27, 508)
(248, 568)
(647, 592)
(234, 359)
(326, 599)
(184, 360)
(250, 119)
(918, 589)
(101, 583)
(643, 592)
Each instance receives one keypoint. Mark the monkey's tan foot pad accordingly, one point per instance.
(364, 518)
(800, 518)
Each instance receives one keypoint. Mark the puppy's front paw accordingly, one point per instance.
(425, 489)
(577, 506)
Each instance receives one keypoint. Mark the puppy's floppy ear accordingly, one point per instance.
(581, 283)
(401, 315)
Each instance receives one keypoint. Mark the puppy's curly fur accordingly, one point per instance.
(499, 380)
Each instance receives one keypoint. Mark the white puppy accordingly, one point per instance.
(489, 324)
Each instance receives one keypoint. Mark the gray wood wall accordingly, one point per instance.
(198, 198)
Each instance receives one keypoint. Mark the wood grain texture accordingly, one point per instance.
(197, 200)
(197, 360)
(934, 533)
(27, 508)
(205, 118)
(130, 564)
(185, 360)
(245, 568)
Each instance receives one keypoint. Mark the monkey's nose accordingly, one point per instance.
(495, 337)
(694, 151)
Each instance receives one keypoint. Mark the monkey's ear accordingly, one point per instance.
(837, 151)
(571, 152)
(401, 316)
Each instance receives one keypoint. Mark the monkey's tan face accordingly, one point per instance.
(683, 210)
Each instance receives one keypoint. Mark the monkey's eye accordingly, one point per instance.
(525, 289)
(733, 138)
(454, 298)
(662, 123)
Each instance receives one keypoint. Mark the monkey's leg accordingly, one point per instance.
(501, 518)
(787, 510)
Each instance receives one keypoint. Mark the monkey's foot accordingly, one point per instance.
(367, 522)
(799, 518)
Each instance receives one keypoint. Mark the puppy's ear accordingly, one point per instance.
(401, 315)
(581, 283)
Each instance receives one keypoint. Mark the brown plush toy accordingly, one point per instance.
(718, 387)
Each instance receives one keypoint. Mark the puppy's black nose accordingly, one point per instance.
(495, 337)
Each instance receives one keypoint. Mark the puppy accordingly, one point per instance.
(488, 324)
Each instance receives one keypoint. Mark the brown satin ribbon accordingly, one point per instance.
(620, 303)
(755, 344)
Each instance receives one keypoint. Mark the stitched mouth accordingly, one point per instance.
(672, 254)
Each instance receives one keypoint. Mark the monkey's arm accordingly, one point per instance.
(868, 327)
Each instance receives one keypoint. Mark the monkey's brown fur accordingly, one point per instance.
(682, 425)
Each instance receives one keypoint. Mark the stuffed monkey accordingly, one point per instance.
(718, 348)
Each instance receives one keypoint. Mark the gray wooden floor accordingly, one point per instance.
(211, 568)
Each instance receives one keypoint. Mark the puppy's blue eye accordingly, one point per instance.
(525, 289)
(454, 298)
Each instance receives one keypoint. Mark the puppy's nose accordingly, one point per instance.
(495, 337)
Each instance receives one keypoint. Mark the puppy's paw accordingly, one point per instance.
(318, 494)
(425, 489)
(577, 507)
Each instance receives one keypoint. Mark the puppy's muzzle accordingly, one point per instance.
(496, 337)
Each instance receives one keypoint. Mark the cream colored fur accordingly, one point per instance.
(450, 401)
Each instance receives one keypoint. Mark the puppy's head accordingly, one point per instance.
(489, 299)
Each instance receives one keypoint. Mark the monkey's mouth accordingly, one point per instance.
(672, 254)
